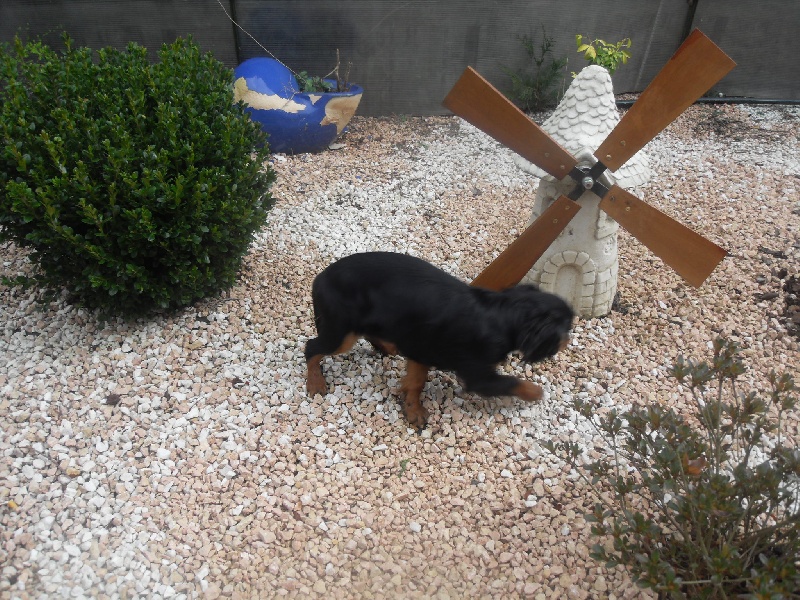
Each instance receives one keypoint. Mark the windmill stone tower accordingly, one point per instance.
(581, 264)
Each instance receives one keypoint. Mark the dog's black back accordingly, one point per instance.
(432, 317)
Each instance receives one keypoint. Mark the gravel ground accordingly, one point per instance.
(179, 456)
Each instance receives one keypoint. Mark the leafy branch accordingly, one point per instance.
(702, 506)
(607, 55)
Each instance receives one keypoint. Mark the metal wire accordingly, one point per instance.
(252, 38)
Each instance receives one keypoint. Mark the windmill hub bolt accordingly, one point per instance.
(586, 176)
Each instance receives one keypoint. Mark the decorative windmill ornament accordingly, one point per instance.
(696, 66)
(581, 265)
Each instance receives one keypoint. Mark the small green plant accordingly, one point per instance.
(136, 186)
(534, 88)
(600, 52)
(312, 84)
(403, 466)
(706, 506)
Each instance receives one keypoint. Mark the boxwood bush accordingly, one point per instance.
(136, 186)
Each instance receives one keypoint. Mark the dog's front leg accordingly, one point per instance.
(412, 384)
(488, 382)
(528, 391)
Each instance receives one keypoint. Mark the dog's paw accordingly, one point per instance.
(316, 384)
(528, 391)
(416, 414)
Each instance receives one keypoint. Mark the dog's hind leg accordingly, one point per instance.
(318, 348)
(315, 380)
(412, 384)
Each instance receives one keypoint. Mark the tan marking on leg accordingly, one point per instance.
(412, 384)
(348, 343)
(528, 391)
(315, 380)
(383, 347)
(386, 347)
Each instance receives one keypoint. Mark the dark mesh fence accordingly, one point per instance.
(407, 55)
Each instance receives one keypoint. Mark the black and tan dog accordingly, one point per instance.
(406, 306)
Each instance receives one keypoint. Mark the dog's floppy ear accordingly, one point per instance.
(540, 338)
(543, 322)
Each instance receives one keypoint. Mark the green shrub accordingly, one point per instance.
(706, 506)
(533, 88)
(136, 186)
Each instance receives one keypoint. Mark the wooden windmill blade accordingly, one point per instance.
(516, 260)
(694, 68)
(691, 255)
(478, 102)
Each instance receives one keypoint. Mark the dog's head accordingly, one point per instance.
(543, 322)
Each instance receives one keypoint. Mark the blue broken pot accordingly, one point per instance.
(295, 121)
